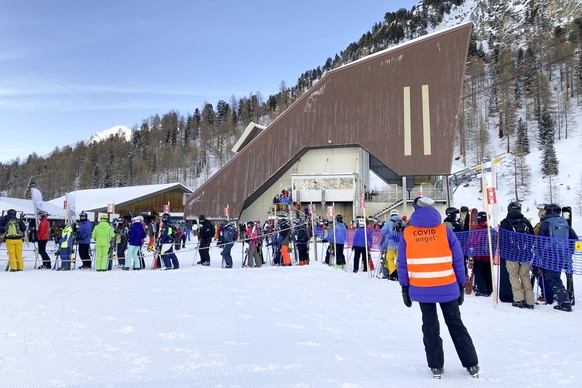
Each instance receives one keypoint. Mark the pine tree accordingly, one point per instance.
(522, 140)
(546, 139)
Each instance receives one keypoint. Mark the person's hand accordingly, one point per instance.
(461, 298)
(405, 297)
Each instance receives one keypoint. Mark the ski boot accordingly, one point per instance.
(474, 371)
(437, 372)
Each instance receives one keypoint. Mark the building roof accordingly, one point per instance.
(96, 200)
(27, 207)
(401, 105)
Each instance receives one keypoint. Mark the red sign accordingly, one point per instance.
(362, 203)
(226, 211)
(166, 208)
(330, 211)
(65, 204)
(491, 196)
(110, 208)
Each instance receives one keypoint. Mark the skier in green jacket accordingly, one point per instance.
(102, 234)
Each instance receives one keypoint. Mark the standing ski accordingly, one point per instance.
(567, 215)
(470, 272)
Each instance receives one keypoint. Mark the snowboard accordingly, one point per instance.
(567, 215)
(470, 272)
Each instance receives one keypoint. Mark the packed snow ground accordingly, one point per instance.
(311, 326)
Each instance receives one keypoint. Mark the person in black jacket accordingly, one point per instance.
(205, 235)
(519, 271)
(555, 226)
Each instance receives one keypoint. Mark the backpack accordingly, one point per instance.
(558, 227)
(398, 226)
(302, 235)
(175, 235)
(228, 233)
(13, 229)
(520, 226)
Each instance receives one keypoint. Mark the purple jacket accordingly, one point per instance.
(427, 217)
(359, 238)
(136, 234)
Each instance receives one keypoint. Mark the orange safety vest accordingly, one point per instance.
(428, 256)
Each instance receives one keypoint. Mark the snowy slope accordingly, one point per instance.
(311, 326)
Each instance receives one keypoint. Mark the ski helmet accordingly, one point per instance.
(451, 210)
(82, 216)
(42, 213)
(514, 206)
(11, 212)
(552, 208)
(165, 217)
(339, 218)
(481, 217)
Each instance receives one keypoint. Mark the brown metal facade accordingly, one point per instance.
(401, 105)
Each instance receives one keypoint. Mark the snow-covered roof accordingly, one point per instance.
(98, 199)
(27, 207)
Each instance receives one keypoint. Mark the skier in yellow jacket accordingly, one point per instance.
(102, 234)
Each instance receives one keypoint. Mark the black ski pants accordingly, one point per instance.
(84, 254)
(204, 249)
(433, 344)
(341, 259)
(303, 252)
(483, 280)
(46, 260)
(360, 251)
(556, 286)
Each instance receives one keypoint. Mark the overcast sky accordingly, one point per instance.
(70, 68)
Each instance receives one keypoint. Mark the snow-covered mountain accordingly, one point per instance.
(120, 130)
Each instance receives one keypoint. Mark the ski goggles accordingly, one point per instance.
(541, 205)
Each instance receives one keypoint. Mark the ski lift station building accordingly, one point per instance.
(394, 112)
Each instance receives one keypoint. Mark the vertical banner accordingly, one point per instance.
(488, 187)
(330, 211)
(71, 208)
(36, 202)
(311, 209)
(111, 207)
(362, 202)
(226, 212)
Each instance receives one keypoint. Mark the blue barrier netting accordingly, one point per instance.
(551, 253)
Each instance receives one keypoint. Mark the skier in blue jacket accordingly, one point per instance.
(361, 245)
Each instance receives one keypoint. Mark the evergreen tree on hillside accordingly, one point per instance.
(546, 139)
(522, 140)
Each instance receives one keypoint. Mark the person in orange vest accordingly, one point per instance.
(431, 270)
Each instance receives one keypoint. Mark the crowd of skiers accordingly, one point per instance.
(517, 275)
(123, 240)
